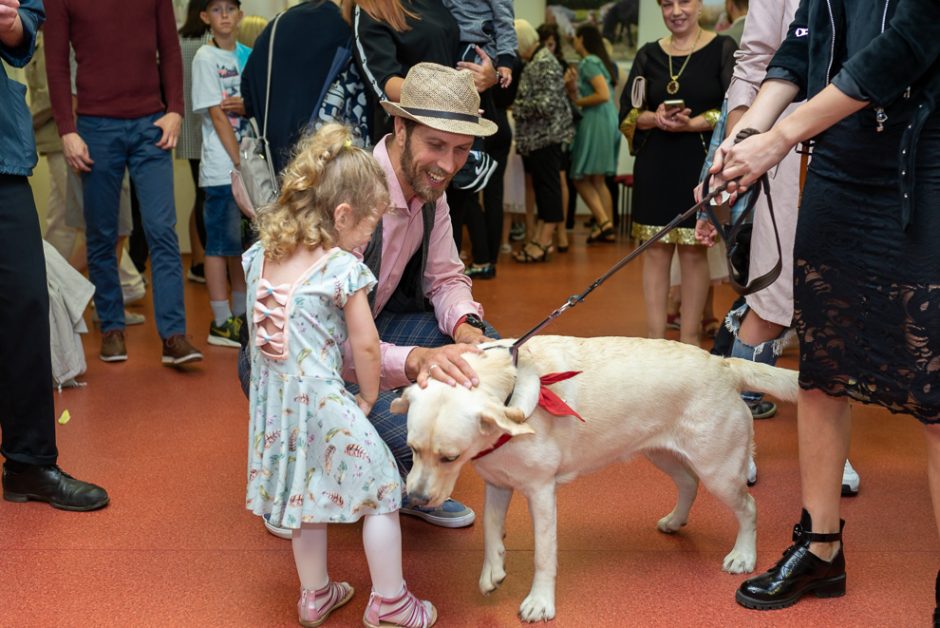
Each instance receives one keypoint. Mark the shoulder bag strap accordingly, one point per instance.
(267, 89)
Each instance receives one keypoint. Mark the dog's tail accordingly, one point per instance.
(781, 383)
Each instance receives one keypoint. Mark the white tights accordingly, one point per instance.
(381, 538)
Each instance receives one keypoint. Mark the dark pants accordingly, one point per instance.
(198, 203)
(486, 227)
(544, 165)
(27, 418)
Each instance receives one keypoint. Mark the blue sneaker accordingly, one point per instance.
(279, 532)
(450, 514)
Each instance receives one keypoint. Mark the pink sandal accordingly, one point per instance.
(405, 611)
(314, 607)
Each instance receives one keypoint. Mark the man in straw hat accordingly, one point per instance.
(423, 303)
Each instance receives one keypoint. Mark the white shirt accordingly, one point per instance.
(216, 75)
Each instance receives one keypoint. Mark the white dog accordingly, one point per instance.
(676, 403)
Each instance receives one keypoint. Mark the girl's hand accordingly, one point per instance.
(484, 74)
(364, 405)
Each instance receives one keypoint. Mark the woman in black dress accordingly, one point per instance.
(866, 261)
(694, 66)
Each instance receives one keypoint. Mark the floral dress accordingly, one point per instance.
(313, 457)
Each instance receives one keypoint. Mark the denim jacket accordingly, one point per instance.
(17, 142)
(899, 71)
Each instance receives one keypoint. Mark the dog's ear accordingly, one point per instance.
(400, 405)
(509, 420)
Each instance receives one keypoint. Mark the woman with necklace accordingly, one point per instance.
(669, 108)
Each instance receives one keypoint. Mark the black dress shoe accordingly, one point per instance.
(797, 573)
(53, 485)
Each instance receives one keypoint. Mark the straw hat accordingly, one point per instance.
(442, 98)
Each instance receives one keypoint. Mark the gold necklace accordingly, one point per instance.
(672, 87)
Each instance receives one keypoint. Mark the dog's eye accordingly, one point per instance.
(449, 458)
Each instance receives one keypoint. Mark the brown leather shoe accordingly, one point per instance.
(177, 350)
(112, 346)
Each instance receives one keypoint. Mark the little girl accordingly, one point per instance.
(314, 458)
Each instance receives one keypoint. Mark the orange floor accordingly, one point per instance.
(177, 548)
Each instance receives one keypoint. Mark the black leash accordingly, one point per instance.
(728, 234)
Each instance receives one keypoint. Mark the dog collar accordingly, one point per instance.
(552, 403)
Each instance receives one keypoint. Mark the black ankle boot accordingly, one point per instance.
(798, 572)
(936, 611)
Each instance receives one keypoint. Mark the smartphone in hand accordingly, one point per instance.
(676, 103)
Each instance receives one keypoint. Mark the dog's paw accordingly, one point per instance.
(670, 524)
(537, 607)
(739, 562)
(491, 577)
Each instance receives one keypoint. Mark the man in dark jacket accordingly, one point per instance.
(27, 421)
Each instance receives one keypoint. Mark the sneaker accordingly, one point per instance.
(130, 318)
(850, 480)
(450, 514)
(763, 409)
(134, 294)
(751, 472)
(505, 249)
(226, 334)
(196, 273)
(113, 348)
(278, 531)
(517, 232)
(177, 350)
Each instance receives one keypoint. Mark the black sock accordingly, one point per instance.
(15, 466)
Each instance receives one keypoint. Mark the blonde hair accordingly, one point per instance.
(391, 12)
(526, 35)
(249, 29)
(326, 171)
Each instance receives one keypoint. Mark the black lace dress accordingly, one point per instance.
(867, 290)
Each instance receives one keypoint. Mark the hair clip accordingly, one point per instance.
(347, 143)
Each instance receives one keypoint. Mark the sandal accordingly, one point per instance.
(525, 257)
(314, 607)
(405, 610)
(602, 233)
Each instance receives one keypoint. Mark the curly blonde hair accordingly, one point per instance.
(326, 171)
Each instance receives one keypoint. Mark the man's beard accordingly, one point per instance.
(413, 176)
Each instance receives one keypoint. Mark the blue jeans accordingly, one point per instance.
(223, 222)
(764, 353)
(115, 145)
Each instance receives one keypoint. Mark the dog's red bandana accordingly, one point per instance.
(552, 403)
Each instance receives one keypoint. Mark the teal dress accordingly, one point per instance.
(597, 141)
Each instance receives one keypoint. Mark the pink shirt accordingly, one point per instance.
(445, 285)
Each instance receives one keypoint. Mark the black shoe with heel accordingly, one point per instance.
(799, 572)
(936, 611)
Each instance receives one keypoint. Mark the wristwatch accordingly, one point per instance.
(470, 319)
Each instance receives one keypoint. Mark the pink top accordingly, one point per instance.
(445, 285)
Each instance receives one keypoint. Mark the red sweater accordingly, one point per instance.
(117, 44)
